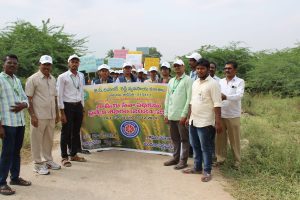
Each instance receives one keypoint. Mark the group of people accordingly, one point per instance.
(196, 107)
(203, 111)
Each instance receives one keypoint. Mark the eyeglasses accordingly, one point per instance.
(228, 68)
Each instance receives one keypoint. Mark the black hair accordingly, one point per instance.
(233, 63)
(214, 64)
(203, 62)
(10, 56)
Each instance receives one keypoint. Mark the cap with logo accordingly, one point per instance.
(195, 56)
(45, 59)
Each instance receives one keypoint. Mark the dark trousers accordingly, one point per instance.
(10, 160)
(180, 138)
(70, 131)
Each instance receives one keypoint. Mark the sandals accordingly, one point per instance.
(191, 171)
(20, 182)
(206, 177)
(6, 190)
(77, 159)
(66, 163)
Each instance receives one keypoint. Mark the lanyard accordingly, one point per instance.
(12, 86)
(77, 87)
(175, 86)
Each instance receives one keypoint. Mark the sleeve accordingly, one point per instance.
(82, 90)
(215, 93)
(185, 110)
(239, 92)
(167, 100)
(29, 87)
(60, 90)
(23, 96)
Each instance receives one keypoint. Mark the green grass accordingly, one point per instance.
(271, 159)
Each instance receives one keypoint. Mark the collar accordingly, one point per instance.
(8, 76)
(233, 79)
(181, 77)
(41, 75)
(71, 74)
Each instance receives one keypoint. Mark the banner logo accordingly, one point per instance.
(129, 129)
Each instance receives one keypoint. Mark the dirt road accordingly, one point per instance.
(119, 175)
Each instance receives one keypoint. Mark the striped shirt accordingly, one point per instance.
(11, 92)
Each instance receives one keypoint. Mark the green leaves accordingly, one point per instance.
(29, 43)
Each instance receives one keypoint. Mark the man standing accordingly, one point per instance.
(70, 103)
(212, 71)
(128, 77)
(193, 59)
(232, 89)
(153, 75)
(140, 73)
(204, 119)
(12, 125)
(165, 73)
(176, 109)
(103, 73)
(41, 92)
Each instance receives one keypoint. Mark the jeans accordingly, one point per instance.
(202, 141)
(10, 159)
(70, 131)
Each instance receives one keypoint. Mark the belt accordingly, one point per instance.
(73, 103)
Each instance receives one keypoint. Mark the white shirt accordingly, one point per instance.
(206, 95)
(70, 88)
(216, 78)
(194, 75)
(234, 91)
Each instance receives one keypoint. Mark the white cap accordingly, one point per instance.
(121, 71)
(195, 56)
(133, 70)
(117, 72)
(178, 62)
(153, 68)
(127, 64)
(73, 56)
(166, 64)
(140, 70)
(145, 72)
(45, 59)
(103, 66)
(111, 71)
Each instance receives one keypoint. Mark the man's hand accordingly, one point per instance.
(223, 96)
(63, 118)
(2, 132)
(187, 122)
(18, 107)
(166, 120)
(34, 121)
(57, 118)
(182, 121)
(218, 127)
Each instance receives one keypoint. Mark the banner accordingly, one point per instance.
(125, 115)
(88, 64)
(149, 62)
(145, 50)
(135, 59)
(120, 53)
(116, 62)
(99, 61)
(135, 52)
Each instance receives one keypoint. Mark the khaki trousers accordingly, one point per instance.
(42, 140)
(231, 130)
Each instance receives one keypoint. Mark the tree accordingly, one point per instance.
(220, 55)
(29, 43)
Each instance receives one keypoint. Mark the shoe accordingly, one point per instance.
(84, 151)
(6, 190)
(77, 159)
(192, 171)
(180, 165)
(41, 169)
(52, 165)
(20, 182)
(170, 162)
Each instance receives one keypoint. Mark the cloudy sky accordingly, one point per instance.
(175, 27)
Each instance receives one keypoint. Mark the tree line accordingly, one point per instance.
(276, 72)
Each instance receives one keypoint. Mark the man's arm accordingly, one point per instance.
(237, 96)
(34, 119)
